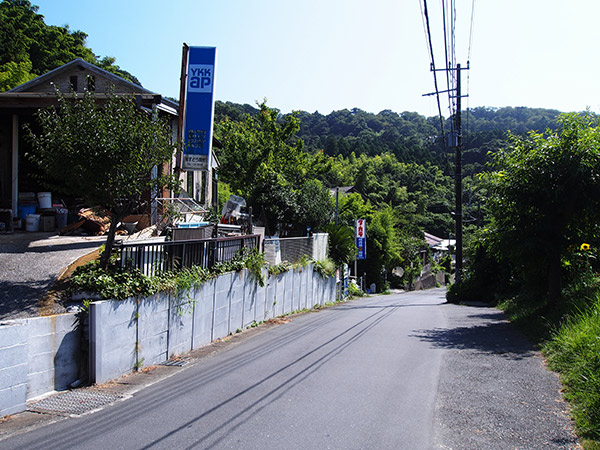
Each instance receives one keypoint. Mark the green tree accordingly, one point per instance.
(262, 160)
(545, 196)
(384, 250)
(29, 47)
(105, 153)
(342, 246)
(14, 73)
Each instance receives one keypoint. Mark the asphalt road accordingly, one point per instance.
(402, 371)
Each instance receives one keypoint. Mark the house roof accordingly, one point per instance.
(343, 190)
(432, 240)
(27, 88)
(77, 62)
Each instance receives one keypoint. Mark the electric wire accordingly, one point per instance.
(446, 48)
(469, 63)
(437, 92)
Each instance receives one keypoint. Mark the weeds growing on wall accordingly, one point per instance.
(118, 284)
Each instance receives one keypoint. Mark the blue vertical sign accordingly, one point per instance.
(361, 238)
(199, 108)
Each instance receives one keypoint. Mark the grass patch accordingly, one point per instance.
(574, 352)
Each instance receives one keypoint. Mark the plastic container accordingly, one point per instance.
(32, 223)
(24, 210)
(61, 217)
(45, 200)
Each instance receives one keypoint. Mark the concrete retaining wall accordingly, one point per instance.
(38, 355)
(42, 354)
(128, 334)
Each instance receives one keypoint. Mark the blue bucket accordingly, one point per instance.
(26, 209)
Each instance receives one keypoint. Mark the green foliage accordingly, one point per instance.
(262, 161)
(574, 351)
(105, 153)
(14, 73)
(543, 198)
(29, 47)
(112, 283)
(538, 252)
(355, 291)
(118, 284)
(384, 249)
(342, 246)
(325, 268)
(278, 269)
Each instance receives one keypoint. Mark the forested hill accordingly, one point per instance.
(29, 47)
(409, 136)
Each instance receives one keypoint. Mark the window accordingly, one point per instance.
(73, 83)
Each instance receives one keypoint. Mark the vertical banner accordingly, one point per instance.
(361, 238)
(199, 108)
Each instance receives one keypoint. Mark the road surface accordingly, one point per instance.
(403, 371)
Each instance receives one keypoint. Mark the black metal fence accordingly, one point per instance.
(151, 258)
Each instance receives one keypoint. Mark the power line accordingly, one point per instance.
(437, 93)
(446, 48)
(469, 60)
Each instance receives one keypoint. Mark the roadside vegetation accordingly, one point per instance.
(536, 254)
(115, 283)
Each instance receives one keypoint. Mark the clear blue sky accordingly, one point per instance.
(332, 54)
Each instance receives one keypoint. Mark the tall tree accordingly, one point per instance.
(105, 153)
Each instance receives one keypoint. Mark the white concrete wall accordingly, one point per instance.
(37, 355)
(13, 372)
(163, 326)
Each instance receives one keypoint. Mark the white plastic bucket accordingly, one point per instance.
(32, 223)
(45, 200)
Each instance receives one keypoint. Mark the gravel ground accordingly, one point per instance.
(30, 264)
(495, 391)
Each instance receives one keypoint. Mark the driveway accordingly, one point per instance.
(30, 263)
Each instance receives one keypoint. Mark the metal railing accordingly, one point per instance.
(152, 258)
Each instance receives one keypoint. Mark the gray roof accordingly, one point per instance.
(78, 62)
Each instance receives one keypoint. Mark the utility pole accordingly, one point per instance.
(456, 142)
(458, 181)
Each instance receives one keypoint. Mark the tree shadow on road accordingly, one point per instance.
(486, 333)
(22, 299)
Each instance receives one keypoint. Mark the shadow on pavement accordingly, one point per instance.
(20, 299)
(483, 333)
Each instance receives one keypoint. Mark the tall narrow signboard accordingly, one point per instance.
(361, 238)
(199, 108)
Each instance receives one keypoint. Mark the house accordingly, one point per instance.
(18, 105)
(344, 190)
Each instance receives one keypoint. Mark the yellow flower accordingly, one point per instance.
(584, 247)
